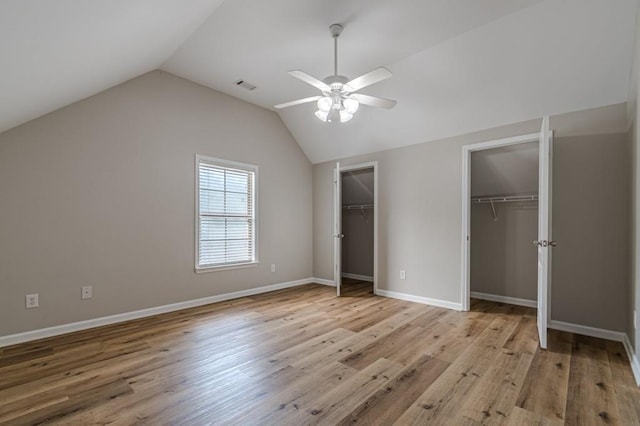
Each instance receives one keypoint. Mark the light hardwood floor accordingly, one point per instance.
(303, 356)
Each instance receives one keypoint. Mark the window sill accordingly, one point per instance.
(226, 267)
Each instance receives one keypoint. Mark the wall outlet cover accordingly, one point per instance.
(31, 301)
(87, 292)
(273, 267)
(403, 274)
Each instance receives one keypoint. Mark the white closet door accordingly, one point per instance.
(337, 227)
(544, 242)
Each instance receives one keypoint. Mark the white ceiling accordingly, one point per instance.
(54, 53)
(459, 65)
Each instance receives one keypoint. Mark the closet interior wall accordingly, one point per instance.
(503, 258)
(357, 224)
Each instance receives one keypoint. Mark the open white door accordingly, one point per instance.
(337, 227)
(544, 242)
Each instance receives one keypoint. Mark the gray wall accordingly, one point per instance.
(420, 220)
(591, 177)
(503, 260)
(419, 214)
(101, 193)
(357, 244)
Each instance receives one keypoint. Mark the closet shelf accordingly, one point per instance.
(504, 199)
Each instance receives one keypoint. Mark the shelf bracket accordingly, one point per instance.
(364, 214)
(493, 210)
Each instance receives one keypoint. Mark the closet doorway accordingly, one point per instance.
(504, 222)
(355, 226)
(507, 223)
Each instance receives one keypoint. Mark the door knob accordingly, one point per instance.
(536, 243)
(339, 235)
(553, 244)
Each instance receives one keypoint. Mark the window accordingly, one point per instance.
(226, 213)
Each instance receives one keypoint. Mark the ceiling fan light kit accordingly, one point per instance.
(339, 101)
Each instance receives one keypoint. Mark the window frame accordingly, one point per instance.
(219, 162)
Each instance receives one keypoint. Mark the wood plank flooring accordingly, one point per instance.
(303, 356)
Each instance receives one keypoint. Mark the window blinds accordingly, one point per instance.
(226, 215)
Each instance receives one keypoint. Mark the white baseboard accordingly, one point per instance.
(419, 299)
(505, 299)
(633, 359)
(357, 277)
(42, 333)
(324, 282)
(616, 336)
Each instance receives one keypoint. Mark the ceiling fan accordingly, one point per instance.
(339, 100)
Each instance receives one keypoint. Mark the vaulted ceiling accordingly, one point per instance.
(459, 65)
(53, 53)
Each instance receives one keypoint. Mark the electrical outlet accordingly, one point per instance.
(31, 301)
(87, 292)
(403, 274)
(273, 267)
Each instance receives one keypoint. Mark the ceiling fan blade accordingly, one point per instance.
(298, 102)
(374, 101)
(301, 75)
(372, 77)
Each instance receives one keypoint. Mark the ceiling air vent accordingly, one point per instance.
(245, 85)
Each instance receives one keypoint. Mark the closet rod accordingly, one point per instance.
(504, 199)
(357, 206)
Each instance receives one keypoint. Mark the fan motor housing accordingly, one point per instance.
(331, 80)
(336, 30)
